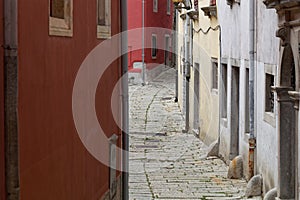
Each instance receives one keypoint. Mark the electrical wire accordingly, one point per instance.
(209, 28)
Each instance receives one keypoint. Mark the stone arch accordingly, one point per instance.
(287, 132)
(287, 70)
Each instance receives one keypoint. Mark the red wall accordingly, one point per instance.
(2, 157)
(53, 162)
(159, 19)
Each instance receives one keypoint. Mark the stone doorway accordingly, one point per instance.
(235, 104)
(196, 97)
(287, 137)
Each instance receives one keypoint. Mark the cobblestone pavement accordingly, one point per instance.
(164, 162)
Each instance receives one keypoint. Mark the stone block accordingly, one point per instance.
(271, 194)
(235, 170)
(254, 186)
(213, 149)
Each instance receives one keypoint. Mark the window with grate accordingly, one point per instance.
(247, 107)
(155, 5)
(154, 47)
(214, 75)
(224, 90)
(269, 95)
(168, 7)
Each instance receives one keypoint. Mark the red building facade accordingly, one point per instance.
(46, 43)
(157, 13)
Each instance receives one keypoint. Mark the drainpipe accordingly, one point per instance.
(187, 70)
(143, 40)
(125, 104)
(252, 139)
(191, 35)
(12, 180)
(220, 85)
(175, 49)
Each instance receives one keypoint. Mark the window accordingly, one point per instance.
(167, 50)
(212, 3)
(168, 7)
(196, 5)
(268, 98)
(154, 47)
(224, 90)
(269, 95)
(247, 107)
(155, 5)
(214, 74)
(181, 59)
(61, 17)
(103, 19)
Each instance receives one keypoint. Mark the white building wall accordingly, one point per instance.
(235, 52)
(206, 48)
(180, 53)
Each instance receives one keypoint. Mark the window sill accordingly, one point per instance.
(210, 11)
(60, 27)
(224, 122)
(214, 91)
(269, 117)
(103, 32)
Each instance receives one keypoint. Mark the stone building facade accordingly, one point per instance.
(198, 55)
(276, 86)
(287, 90)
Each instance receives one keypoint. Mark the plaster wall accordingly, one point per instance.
(180, 53)
(224, 146)
(266, 134)
(235, 52)
(2, 138)
(53, 162)
(206, 48)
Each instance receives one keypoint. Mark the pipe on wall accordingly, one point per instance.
(125, 104)
(252, 140)
(143, 43)
(175, 49)
(187, 56)
(12, 180)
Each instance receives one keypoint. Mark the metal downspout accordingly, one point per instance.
(143, 42)
(175, 49)
(187, 71)
(125, 104)
(12, 180)
(220, 86)
(252, 139)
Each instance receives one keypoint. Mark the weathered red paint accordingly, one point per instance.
(53, 162)
(152, 19)
(2, 154)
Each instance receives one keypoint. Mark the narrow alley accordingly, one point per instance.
(166, 163)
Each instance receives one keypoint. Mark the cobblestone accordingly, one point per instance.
(164, 162)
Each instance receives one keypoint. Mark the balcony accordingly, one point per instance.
(211, 10)
(282, 4)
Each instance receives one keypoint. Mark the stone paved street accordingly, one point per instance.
(164, 162)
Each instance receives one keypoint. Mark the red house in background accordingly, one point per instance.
(154, 13)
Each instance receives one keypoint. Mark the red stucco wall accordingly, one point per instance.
(53, 162)
(152, 19)
(2, 157)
